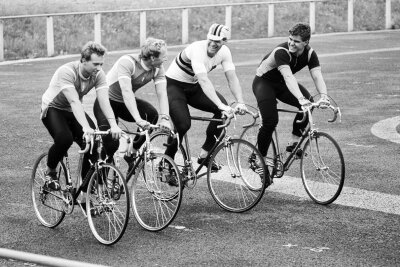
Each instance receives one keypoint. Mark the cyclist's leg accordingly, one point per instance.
(56, 122)
(110, 145)
(147, 112)
(265, 94)
(77, 133)
(178, 110)
(200, 101)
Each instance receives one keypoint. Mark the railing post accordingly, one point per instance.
(50, 36)
(142, 27)
(185, 26)
(312, 16)
(350, 15)
(271, 19)
(228, 17)
(388, 14)
(97, 28)
(1, 41)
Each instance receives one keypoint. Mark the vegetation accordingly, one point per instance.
(26, 38)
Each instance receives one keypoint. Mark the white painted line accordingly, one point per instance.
(386, 129)
(350, 197)
(358, 145)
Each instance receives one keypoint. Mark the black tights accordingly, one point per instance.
(179, 96)
(65, 129)
(267, 93)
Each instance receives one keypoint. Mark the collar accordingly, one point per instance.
(80, 73)
(144, 65)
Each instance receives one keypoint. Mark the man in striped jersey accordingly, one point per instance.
(275, 80)
(62, 110)
(188, 84)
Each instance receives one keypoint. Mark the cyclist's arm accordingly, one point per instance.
(129, 98)
(104, 102)
(234, 85)
(290, 80)
(318, 79)
(77, 109)
(209, 90)
(161, 91)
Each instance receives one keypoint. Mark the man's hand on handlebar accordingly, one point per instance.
(165, 125)
(304, 102)
(241, 108)
(324, 102)
(115, 132)
(87, 134)
(143, 124)
(227, 111)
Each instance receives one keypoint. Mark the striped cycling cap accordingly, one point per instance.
(219, 32)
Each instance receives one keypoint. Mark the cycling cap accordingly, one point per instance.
(219, 32)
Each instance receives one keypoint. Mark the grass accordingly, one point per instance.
(26, 38)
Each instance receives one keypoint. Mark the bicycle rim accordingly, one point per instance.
(156, 192)
(48, 205)
(238, 186)
(322, 168)
(107, 206)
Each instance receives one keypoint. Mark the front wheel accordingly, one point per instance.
(241, 181)
(322, 168)
(49, 205)
(107, 204)
(156, 192)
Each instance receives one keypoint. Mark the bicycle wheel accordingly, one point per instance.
(156, 192)
(322, 168)
(240, 183)
(250, 134)
(107, 204)
(48, 205)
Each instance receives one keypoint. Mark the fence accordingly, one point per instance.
(185, 19)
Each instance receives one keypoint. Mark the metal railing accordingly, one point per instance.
(185, 19)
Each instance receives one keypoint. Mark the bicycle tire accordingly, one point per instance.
(250, 134)
(107, 205)
(322, 168)
(156, 192)
(48, 205)
(229, 186)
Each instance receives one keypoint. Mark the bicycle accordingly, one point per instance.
(156, 189)
(322, 164)
(239, 184)
(107, 200)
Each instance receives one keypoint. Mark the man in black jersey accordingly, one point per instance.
(275, 80)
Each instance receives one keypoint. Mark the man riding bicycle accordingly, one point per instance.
(62, 111)
(275, 80)
(130, 73)
(188, 84)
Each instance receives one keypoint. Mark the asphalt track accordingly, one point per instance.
(286, 229)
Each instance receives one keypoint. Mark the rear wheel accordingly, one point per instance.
(107, 204)
(240, 183)
(49, 205)
(156, 192)
(322, 168)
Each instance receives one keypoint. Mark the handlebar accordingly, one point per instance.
(322, 105)
(90, 143)
(228, 118)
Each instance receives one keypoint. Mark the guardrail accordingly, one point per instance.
(185, 19)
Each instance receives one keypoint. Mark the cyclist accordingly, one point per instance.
(62, 112)
(275, 80)
(188, 83)
(129, 74)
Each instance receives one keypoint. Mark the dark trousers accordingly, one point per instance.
(267, 93)
(180, 95)
(65, 129)
(146, 111)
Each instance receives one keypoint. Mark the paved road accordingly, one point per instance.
(286, 229)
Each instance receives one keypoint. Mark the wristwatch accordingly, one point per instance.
(165, 117)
